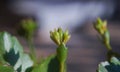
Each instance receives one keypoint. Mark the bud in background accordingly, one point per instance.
(101, 28)
(27, 28)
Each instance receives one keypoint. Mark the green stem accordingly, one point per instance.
(62, 67)
(108, 46)
(32, 50)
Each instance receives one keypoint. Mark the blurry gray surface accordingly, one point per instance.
(69, 15)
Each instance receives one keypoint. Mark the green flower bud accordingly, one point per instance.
(60, 34)
(27, 28)
(101, 27)
(59, 37)
(66, 36)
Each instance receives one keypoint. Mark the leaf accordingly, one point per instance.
(17, 46)
(6, 69)
(5, 45)
(112, 66)
(13, 52)
(5, 42)
(101, 67)
(24, 62)
(115, 61)
(2, 61)
(50, 64)
(11, 57)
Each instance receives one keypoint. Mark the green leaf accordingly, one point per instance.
(50, 64)
(2, 61)
(112, 66)
(101, 67)
(115, 61)
(24, 62)
(16, 45)
(13, 52)
(6, 69)
(5, 42)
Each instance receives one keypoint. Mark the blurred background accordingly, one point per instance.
(85, 50)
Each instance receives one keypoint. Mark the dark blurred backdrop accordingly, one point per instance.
(9, 19)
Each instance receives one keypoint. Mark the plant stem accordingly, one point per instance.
(62, 67)
(32, 50)
(108, 46)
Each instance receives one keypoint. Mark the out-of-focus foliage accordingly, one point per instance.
(101, 28)
(13, 58)
(12, 54)
(27, 28)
